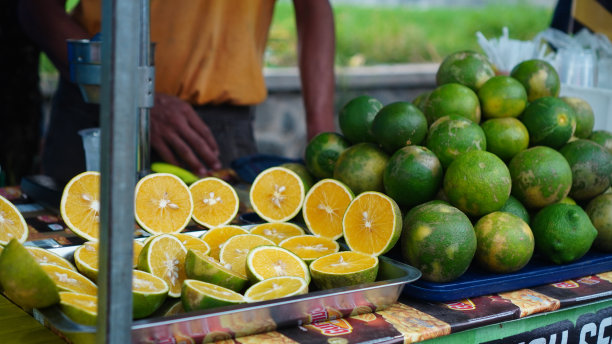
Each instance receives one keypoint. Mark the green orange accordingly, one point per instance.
(453, 135)
(399, 124)
(591, 166)
(603, 137)
(505, 136)
(549, 121)
(468, 68)
(439, 240)
(540, 176)
(599, 210)
(563, 232)
(413, 176)
(301, 170)
(420, 100)
(477, 183)
(502, 96)
(539, 78)
(515, 207)
(322, 151)
(361, 167)
(356, 116)
(452, 99)
(505, 242)
(585, 118)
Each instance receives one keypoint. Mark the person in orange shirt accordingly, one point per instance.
(208, 71)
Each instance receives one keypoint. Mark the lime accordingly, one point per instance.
(322, 152)
(603, 137)
(539, 78)
(591, 166)
(515, 207)
(452, 99)
(599, 210)
(399, 124)
(502, 96)
(505, 137)
(452, 135)
(356, 116)
(466, 67)
(585, 118)
(361, 167)
(549, 121)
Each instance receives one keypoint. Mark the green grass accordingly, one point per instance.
(393, 34)
(382, 35)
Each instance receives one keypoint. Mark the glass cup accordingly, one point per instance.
(91, 145)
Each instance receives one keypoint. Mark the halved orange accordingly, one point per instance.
(80, 308)
(163, 203)
(217, 236)
(277, 231)
(194, 243)
(164, 257)
(264, 262)
(342, 269)
(215, 202)
(310, 247)
(275, 288)
(86, 258)
(43, 256)
(233, 254)
(70, 280)
(12, 223)
(277, 194)
(324, 206)
(80, 205)
(372, 223)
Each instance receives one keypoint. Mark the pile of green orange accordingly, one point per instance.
(482, 167)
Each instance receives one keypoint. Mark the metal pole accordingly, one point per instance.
(145, 60)
(119, 119)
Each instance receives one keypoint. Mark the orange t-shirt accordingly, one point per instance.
(206, 51)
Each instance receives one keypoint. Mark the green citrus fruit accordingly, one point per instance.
(585, 118)
(502, 96)
(355, 118)
(563, 232)
(539, 78)
(23, 280)
(202, 295)
(452, 99)
(149, 293)
(515, 207)
(468, 68)
(399, 124)
(549, 121)
(361, 167)
(599, 210)
(603, 137)
(505, 136)
(420, 100)
(207, 269)
(505, 242)
(80, 308)
(413, 176)
(477, 183)
(343, 269)
(439, 240)
(540, 176)
(453, 135)
(567, 200)
(301, 170)
(321, 153)
(591, 166)
(275, 288)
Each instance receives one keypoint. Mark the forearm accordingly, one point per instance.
(48, 25)
(316, 49)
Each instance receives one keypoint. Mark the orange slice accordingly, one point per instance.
(43, 256)
(70, 280)
(276, 287)
(215, 202)
(342, 269)
(80, 205)
(277, 194)
(217, 236)
(193, 243)
(324, 206)
(12, 223)
(80, 308)
(164, 257)
(162, 204)
(310, 247)
(264, 262)
(233, 254)
(86, 258)
(372, 223)
(277, 231)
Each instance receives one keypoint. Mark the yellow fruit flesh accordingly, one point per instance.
(69, 280)
(266, 262)
(234, 252)
(165, 258)
(144, 282)
(215, 202)
(80, 205)
(370, 223)
(88, 303)
(344, 263)
(276, 287)
(163, 204)
(215, 291)
(191, 242)
(277, 231)
(277, 194)
(217, 236)
(324, 207)
(310, 247)
(12, 224)
(43, 256)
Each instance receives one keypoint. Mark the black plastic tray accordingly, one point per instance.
(477, 282)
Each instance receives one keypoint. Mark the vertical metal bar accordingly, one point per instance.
(119, 118)
(144, 140)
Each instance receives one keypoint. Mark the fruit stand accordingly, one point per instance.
(415, 222)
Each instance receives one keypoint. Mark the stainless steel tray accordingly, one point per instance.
(245, 319)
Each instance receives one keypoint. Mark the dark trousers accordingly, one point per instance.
(63, 156)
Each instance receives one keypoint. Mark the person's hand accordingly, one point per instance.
(178, 134)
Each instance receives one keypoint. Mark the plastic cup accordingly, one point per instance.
(578, 67)
(91, 145)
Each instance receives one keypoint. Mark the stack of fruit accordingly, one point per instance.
(487, 169)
